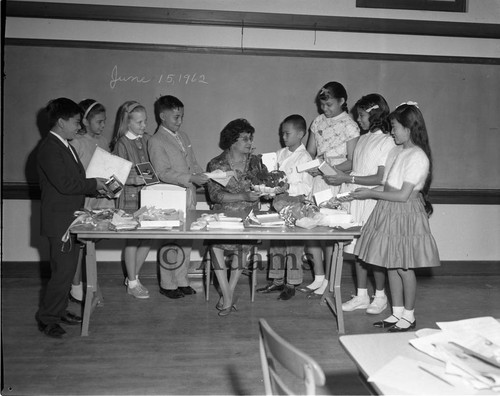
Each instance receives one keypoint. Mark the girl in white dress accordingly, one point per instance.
(333, 137)
(368, 168)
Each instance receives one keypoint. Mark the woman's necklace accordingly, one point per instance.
(236, 165)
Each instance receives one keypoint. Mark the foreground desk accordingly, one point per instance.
(337, 236)
(371, 352)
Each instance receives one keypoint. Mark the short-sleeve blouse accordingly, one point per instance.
(409, 165)
(331, 135)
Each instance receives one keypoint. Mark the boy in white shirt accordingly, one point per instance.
(288, 254)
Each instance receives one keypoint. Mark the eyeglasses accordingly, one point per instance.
(246, 139)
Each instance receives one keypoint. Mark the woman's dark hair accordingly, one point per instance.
(411, 117)
(332, 89)
(378, 109)
(232, 131)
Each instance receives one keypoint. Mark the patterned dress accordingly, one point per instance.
(239, 184)
(331, 136)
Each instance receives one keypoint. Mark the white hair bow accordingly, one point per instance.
(372, 108)
(409, 103)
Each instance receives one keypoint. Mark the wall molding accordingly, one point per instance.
(31, 9)
(250, 51)
(31, 191)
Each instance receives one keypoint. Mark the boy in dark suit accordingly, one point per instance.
(64, 186)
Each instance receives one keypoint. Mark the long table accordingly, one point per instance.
(336, 236)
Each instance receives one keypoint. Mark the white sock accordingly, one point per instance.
(132, 283)
(409, 315)
(380, 293)
(362, 292)
(77, 291)
(318, 281)
(398, 311)
(322, 288)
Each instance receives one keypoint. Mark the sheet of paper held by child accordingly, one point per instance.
(220, 176)
(104, 164)
(147, 171)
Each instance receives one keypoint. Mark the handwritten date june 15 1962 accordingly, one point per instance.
(171, 78)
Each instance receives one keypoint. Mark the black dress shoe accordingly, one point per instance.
(187, 290)
(71, 319)
(287, 293)
(271, 288)
(397, 329)
(176, 293)
(52, 330)
(304, 289)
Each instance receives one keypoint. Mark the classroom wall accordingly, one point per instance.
(463, 232)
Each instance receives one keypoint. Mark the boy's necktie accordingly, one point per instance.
(72, 152)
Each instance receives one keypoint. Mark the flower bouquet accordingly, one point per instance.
(270, 183)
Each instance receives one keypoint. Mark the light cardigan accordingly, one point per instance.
(172, 164)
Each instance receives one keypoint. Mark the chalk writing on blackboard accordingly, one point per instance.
(115, 77)
(182, 78)
(171, 78)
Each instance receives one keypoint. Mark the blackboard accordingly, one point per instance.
(460, 102)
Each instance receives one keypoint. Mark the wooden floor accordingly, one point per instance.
(161, 347)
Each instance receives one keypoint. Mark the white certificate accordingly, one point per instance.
(104, 164)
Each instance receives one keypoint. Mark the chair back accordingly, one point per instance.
(274, 349)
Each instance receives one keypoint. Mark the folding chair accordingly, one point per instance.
(275, 350)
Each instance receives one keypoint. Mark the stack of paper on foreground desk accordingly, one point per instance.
(467, 354)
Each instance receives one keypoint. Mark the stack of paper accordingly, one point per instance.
(225, 225)
(264, 220)
(219, 221)
(123, 223)
(470, 351)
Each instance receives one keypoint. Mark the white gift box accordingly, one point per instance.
(315, 163)
(164, 196)
(322, 196)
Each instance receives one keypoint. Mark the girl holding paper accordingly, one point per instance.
(333, 137)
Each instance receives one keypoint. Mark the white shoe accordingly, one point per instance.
(357, 302)
(378, 305)
(138, 292)
(139, 282)
(142, 286)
